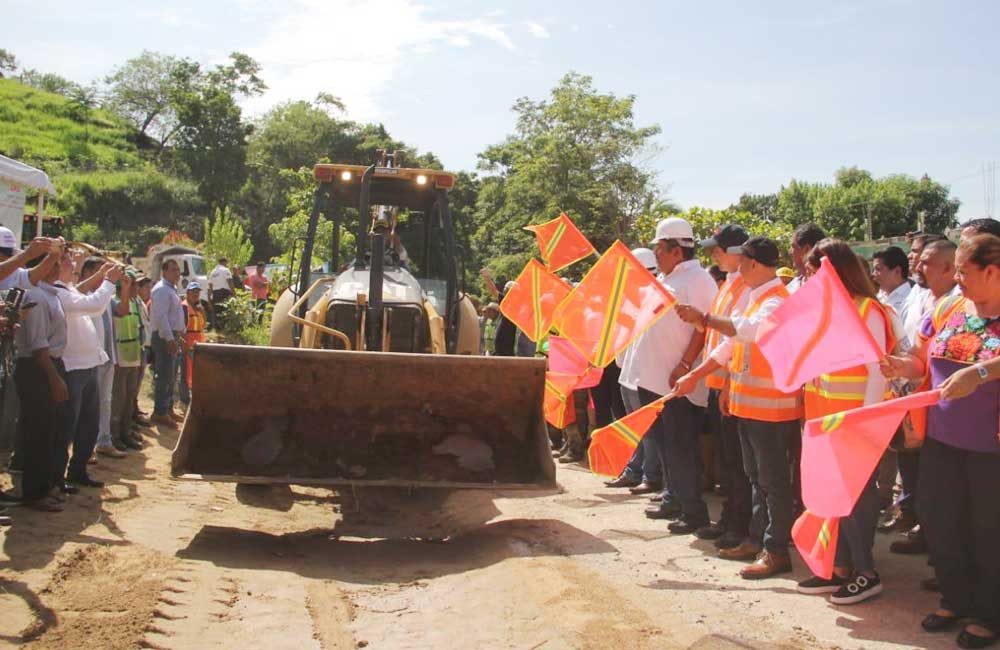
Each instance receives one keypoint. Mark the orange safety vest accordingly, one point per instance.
(752, 394)
(729, 294)
(916, 425)
(845, 389)
(195, 324)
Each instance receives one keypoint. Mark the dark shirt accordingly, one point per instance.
(506, 333)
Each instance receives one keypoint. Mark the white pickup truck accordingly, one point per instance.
(191, 261)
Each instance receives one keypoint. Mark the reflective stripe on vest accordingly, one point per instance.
(845, 389)
(752, 394)
(195, 320)
(729, 294)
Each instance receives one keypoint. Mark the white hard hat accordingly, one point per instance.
(7, 239)
(675, 228)
(646, 257)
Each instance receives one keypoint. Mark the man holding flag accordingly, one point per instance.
(663, 353)
(766, 417)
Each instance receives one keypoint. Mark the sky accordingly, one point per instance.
(748, 95)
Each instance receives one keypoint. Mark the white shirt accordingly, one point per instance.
(918, 302)
(84, 349)
(875, 387)
(795, 284)
(18, 279)
(655, 353)
(896, 299)
(219, 279)
(746, 326)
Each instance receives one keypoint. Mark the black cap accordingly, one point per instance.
(759, 249)
(726, 237)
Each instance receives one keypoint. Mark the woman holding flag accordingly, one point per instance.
(854, 577)
(958, 347)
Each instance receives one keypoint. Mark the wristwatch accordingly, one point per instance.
(981, 371)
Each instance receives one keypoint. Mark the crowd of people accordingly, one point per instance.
(935, 314)
(87, 331)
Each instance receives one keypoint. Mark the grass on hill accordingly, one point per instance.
(51, 131)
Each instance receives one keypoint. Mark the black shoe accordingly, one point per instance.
(817, 585)
(84, 481)
(911, 542)
(623, 481)
(966, 639)
(729, 539)
(711, 531)
(859, 588)
(571, 456)
(69, 488)
(663, 512)
(129, 443)
(935, 623)
(119, 445)
(930, 584)
(684, 526)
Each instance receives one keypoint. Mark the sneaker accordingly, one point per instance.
(858, 589)
(818, 585)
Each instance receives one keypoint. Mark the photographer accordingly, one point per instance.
(12, 260)
(41, 388)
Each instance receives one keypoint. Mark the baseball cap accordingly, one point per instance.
(785, 272)
(193, 286)
(726, 237)
(8, 240)
(675, 228)
(759, 249)
(646, 257)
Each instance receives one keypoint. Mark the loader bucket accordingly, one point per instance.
(326, 417)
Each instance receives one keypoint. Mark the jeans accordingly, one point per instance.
(165, 371)
(960, 515)
(857, 530)
(738, 502)
(105, 386)
(80, 424)
(909, 476)
(645, 461)
(680, 454)
(765, 459)
(126, 390)
(39, 424)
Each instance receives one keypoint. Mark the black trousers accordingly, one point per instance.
(960, 515)
(909, 473)
(607, 395)
(39, 427)
(738, 505)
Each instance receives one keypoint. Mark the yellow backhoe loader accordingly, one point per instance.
(373, 384)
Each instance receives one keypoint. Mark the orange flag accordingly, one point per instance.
(815, 331)
(840, 451)
(617, 300)
(561, 242)
(563, 357)
(612, 446)
(556, 404)
(816, 539)
(532, 301)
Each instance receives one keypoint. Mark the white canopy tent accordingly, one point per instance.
(14, 177)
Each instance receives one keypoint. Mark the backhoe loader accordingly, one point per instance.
(373, 384)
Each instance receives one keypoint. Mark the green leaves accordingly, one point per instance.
(225, 238)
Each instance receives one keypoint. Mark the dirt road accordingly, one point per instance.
(152, 562)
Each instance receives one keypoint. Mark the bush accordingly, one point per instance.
(242, 322)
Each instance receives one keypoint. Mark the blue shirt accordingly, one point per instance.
(166, 315)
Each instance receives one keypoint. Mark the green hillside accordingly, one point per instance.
(51, 131)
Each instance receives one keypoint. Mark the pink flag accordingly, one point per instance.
(565, 358)
(816, 330)
(840, 451)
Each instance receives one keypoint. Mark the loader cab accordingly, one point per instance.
(405, 261)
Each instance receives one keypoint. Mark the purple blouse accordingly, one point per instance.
(972, 422)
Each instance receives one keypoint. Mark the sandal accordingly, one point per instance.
(967, 639)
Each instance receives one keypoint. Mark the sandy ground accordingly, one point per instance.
(153, 562)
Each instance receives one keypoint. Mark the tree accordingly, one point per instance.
(225, 238)
(144, 91)
(212, 137)
(762, 206)
(47, 81)
(8, 63)
(578, 151)
(84, 99)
